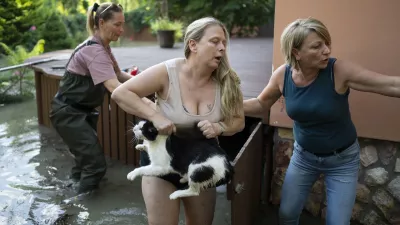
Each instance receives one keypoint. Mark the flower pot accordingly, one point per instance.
(166, 38)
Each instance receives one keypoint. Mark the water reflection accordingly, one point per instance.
(29, 183)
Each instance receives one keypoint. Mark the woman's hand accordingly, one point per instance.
(163, 125)
(210, 130)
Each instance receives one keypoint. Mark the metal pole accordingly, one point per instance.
(24, 64)
(61, 57)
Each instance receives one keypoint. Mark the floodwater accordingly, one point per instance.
(34, 169)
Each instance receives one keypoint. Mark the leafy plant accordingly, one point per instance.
(247, 15)
(9, 91)
(55, 33)
(16, 17)
(139, 18)
(20, 54)
(75, 27)
(166, 24)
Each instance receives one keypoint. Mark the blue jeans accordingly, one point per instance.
(341, 176)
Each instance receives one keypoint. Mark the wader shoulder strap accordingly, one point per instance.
(86, 43)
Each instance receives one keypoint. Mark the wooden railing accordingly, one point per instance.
(114, 125)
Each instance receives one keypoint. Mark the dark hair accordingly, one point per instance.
(103, 11)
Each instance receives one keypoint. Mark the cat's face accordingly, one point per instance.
(145, 130)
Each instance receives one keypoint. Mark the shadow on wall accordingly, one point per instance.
(266, 30)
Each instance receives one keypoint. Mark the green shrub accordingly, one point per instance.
(55, 33)
(246, 14)
(75, 24)
(16, 20)
(166, 24)
(139, 18)
(20, 54)
(18, 85)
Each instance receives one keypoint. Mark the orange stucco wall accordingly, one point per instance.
(366, 32)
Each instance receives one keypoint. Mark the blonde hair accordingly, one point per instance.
(296, 32)
(103, 11)
(231, 94)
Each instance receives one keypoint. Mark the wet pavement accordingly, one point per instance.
(34, 169)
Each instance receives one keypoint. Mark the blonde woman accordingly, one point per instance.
(198, 96)
(90, 72)
(316, 89)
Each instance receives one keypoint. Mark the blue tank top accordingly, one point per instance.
(322, 121)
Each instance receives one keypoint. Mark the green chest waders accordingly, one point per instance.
(74, 117)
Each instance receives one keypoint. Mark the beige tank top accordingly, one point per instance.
(173, 109)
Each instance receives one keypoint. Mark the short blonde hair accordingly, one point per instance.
(296, 32)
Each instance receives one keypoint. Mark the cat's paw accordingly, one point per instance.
(132, 175)
(183, 194)
(175, 195)
(141, 147)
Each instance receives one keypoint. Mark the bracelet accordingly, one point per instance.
(222, 128)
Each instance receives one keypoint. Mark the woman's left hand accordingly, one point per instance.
(210, 130)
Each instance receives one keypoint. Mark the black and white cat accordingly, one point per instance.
(201, 163)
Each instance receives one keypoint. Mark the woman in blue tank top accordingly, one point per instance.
(316, 89)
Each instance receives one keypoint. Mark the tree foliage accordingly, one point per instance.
(16, 19)
(20, 54)
(246, 14)
(54, 32)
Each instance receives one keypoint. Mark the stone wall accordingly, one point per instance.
(378, 194)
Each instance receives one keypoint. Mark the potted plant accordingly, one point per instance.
(167, 31)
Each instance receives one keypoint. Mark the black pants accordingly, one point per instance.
(78, 130)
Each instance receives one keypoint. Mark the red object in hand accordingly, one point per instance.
(134, 71)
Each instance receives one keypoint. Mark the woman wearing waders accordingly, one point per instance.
(90, 72)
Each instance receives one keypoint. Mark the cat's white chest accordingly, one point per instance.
(157, 151)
